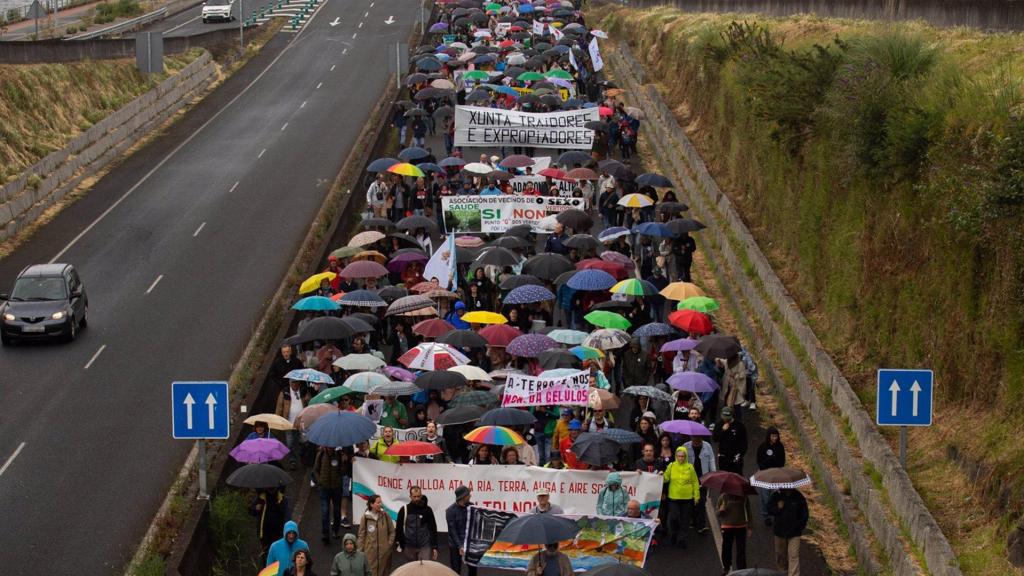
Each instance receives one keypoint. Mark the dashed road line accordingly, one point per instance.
(262, 152)
(319, 85)
(360, 25)
(354, 35)
(233, 186)
(7, 463)
(94, 357)
(283, 127)
(344, 51)
(303, 105)
(161, 277)
(332, 67)
(198, 230)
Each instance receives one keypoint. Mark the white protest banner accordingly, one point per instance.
(595, 55)
(518, 184)
(538, 28)
(523, 390)
(441, 264)
(572, 61)
(507, 488)
(479, 126)
(556, 33)
(540, 163)
(501, 29)
(496, 214)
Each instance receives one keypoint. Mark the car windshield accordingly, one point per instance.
(39, 288)
(218, 2)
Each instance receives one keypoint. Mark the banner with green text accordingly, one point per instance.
(496, 214)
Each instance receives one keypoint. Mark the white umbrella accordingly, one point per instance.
(607, 339)
(357, 362)
(365, 381)
(472, 373)
(478, 168)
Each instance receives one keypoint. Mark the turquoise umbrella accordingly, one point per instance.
(316, 304)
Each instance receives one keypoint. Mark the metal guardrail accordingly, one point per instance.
(123, 26)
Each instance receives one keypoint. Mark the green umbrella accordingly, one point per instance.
(476, 75)
(606, 319)
(330, 395)
(562, 74)
(698, 303)
(493, 6)
(530, 76)
(347, 251)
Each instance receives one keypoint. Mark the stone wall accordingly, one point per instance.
(25, 198)
(54, 51)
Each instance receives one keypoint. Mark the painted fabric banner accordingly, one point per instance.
(524, 390)
(479, 126)
(506, 488)
(518, 184)
(496, 214)
(601, 540)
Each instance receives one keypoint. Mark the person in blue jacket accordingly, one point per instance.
(455, 316)
(284, 549)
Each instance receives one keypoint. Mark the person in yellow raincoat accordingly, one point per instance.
(683, 494)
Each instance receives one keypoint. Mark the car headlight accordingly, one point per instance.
(9, 317)
(58, 316)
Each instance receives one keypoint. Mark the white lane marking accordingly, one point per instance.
(345, 51)
(7, 464)
(366, 14)
(233, 186)
(178, 148)
(332, 67)
(319, 85)
(303, 105)
(94, 357)
(262, 152)
(354, 35)
(360, 24)
(371, 4)
(198, 230)
(283, 127)
(187, 22)
(161, 277)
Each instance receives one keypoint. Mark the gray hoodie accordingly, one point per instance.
(350, 563)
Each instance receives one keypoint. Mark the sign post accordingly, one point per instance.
(199, 411)
(904, 398)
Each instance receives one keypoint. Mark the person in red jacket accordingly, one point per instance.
(568, 456)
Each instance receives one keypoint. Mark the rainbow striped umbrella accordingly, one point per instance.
(635, 287)
(495, 436)
(406, 169)
(586, 353)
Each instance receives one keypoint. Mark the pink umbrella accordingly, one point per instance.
(680, 345)
(259, 450)
(688, 427)
(399, 373)
(364, 269)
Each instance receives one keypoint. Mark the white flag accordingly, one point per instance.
(572, 61)
(440, 265)
(595, 55)
(538, 28)
(556, 33)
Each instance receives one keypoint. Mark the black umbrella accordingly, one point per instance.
(608, 165)
(584, 242)
(651, 179)
(415, 78)
(576, 219)
(596, 125)
(557, 358)
(548, 266)
(376, 223)
(358, 325)
(413, 153)
(523, 231)
(416, 113)
(465, 255)
(616, 570)
(564, 277)
(381, 164)
(460, 415)
(718, 346)
(414, 222)
(443, 112)
(520, 280)
(259, 476)
(573, 157)
(538, 529)
(612, 305)
(478, 95)
(463, 339)
(551, 100)
(756, 572)
(323, 328)
(597, 449)
(681, 225)
(366, 317)
(392, 293)
(440, 380)
(507, 417)
(496, 256)
(510, 242)
(621, 173)
(428, 65)
(499, 175)
(672, 207)
(406, 238)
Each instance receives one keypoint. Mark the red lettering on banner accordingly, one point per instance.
(528, 213)
(595, 487)
(522, 507)
(512, 485)
(578, 488)
(426, 483)
(483, 486)
(389, 482)
(495, 504)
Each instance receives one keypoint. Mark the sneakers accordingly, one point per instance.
(753, 406)
(345, 523)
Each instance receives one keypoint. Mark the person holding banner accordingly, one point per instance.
(457, 518)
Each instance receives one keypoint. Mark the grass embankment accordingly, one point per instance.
(44, 106)
(881, 167)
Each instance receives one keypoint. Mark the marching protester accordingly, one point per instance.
(457, 519)
(376, 536)
(416, 528)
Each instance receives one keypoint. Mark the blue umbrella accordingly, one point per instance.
(452, 161)
(315, 304)
(428, 65)
(655, 180)
(622, 436)
(429, 167)
(591, 280)
(381, 164)
(655, 329)
(413, 153)
(612, 233)
(439, 27)
(309, 375)
(341, 429)
(485, 59)
(506, 90)
(525, 8)
(364, 298)
(528, 294)
(654, 229)
(561, 48)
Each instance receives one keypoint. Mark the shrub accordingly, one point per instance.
(231, 531)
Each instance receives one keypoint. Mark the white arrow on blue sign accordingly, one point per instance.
(904, 397)
(210, 419)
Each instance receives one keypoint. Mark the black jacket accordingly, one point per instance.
(732, 441)
(791, 519)
(457, 518)
(656, 466)
(416, 526)
(777, 457)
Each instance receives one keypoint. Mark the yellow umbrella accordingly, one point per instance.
(635, 201)
(681, 291)
(312, 284)
(371, 255)
(273, 421)
(484, 317)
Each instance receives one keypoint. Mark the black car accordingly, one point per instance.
(48, 301)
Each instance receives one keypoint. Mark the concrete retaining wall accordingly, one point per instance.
(766, 296)
(61, 171)
(52, 51)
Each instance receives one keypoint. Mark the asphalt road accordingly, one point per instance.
(190, 22)
(180, 248)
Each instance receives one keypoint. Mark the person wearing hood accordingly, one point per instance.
(683, 493)
(455, 316)
(789, 507)
(271, 509)
(700, 454)
(612, 499)
(350, 561)
(416, 528)
(376, 536)
(770, 454)
(284, 549)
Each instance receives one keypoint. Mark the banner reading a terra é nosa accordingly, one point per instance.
(508, 488)
(479, 126)
(522, 390)
(496, 214)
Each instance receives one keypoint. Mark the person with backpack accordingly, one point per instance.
(416, 528)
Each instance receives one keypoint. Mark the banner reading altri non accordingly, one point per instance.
(509, 488)
(478, 126)
(496, 214)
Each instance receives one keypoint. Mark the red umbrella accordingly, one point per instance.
(426, 286)
(506, 43)
(727, 483)
(613, 268)
(582, 174)
(554, 173)
(499, 334)
(364, 269)
(432, 328)
(413, 448)
(690, 320)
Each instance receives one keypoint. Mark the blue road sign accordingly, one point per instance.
(199, 410)
(904, 397)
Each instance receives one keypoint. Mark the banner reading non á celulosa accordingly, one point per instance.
(479, 126)
(496, 214)
(522, 390)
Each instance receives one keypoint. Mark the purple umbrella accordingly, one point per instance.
(655, 329)
(439, 27)
(399, 373)
(530, 345)
(528, 294)
(692, 382)
(688, 427)
(364, 269)
(401, 262)
(259, 450)
(680, 345)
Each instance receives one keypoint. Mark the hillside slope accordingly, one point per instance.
(881, 167)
